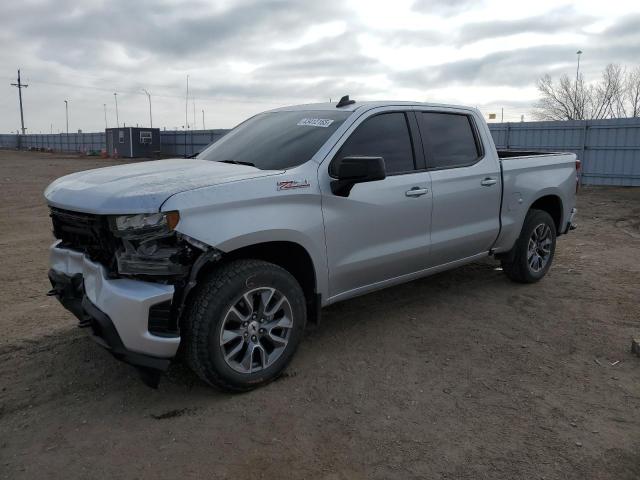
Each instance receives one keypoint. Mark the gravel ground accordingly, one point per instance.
(463, 375)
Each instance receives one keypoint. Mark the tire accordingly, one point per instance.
(519, 264)
(227, 315)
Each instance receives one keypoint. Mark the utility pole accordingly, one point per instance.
(203, 119)
(194, 114)
(502, 115)
(20, 86)
(186, 106)
(66, 112)
(149, 97)
(579, 52)
(105, 115)
(115, 96)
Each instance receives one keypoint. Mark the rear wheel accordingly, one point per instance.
(533, 252)
(245, 324)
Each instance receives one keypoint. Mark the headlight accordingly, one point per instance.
(145, 223)
(149, 244)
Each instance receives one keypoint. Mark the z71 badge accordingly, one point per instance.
(291, 184)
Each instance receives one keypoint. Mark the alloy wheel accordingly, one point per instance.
(256, 330)
(539, 248)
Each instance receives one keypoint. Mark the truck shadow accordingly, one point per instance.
(68, 366)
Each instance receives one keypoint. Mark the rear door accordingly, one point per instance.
(381, 230)
(465, 182)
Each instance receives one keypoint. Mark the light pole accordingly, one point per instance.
(579, 52)
(149, 97)
(66, 112)
(115, 97)
(186, 106)
(203, 119)
(105, 115)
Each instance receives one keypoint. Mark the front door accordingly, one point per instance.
(381, 230)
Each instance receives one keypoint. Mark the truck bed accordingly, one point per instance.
(533, 174)
(508, 154)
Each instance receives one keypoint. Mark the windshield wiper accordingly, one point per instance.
(238, 162)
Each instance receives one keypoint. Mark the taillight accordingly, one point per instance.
(578, 166)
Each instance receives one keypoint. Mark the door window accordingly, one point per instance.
(385, 135)
(450, 140)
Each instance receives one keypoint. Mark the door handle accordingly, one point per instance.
(487, 182)
(416, 192)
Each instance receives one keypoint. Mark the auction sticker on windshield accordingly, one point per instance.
(315, 122)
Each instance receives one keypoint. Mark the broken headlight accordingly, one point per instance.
(150, 245)
(143, 224)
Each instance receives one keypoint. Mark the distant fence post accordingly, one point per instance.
(585, 133)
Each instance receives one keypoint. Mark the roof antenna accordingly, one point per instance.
(344, 101)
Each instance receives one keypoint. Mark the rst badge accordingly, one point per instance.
(292, 184)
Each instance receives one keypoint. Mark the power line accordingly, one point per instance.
(138, 92)
(20, 86)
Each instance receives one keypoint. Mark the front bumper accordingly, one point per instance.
(117, 310)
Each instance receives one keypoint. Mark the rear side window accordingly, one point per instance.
(449, 139)
(385, 135)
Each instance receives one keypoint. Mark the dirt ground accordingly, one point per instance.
(463, 375)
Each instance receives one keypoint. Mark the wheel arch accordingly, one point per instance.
(291, 256)
(552, 204)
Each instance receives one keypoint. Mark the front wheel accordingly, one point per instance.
(245, 324)
(533, 252)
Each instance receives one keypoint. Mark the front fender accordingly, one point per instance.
(232, 216)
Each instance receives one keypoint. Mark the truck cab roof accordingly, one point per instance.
(365, 105)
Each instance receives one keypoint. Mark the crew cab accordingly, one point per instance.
(225, 257)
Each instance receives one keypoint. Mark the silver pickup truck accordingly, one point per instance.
(227, 256)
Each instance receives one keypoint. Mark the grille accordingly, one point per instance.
(87, 233)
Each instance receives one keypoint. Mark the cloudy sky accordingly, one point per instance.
(245, 56)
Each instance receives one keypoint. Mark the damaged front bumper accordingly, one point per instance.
(119, 311)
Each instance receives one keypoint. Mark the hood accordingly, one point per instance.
(141, 187)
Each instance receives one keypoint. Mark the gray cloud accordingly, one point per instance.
(332, 56)
(447, 8)
(562, 20)
(172, 30)
(84, 51)
(627, 29)
(520, 67)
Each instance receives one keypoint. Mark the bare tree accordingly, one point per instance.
(607, 95)
(615, 95)
(633, 92)
(557, 102)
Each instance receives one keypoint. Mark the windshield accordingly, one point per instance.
(276, 140)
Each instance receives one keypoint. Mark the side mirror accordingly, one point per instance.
(348, 171)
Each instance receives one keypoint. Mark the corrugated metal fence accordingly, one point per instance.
(73, 142)
(176, 143)
(180, 142)
(609, 149)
